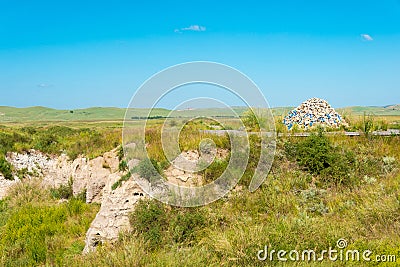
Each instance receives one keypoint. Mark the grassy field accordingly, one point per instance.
(110, 114)
(349, 190)
(320, 189)
(354, 194)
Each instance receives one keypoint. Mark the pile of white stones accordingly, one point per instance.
(314, 111)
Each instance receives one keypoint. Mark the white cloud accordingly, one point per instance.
(43, 85)
(366, 37)
(194, 28)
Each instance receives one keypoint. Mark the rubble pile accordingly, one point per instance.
(314, 111)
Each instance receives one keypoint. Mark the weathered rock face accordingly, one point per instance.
(113, 216)
(96, 176)
(184, 168)
(5, 184)
(90, 175)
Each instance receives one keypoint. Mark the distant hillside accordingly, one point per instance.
(377, 111)
(393, 107)
(12, 114)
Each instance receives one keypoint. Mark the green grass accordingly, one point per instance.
(299, 206)
(11, 114)
(291, 210)
(37, 230)
(44, 114)
(59, 139)
(124, 178)
(377, 111)
(55, 140)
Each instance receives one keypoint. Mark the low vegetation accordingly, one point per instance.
(6, 168)
(320, 189)
(36, 229)
(317, 155)
(59, 139)
(55, 140)
(304, 203)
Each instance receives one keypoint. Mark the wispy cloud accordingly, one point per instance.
(43, 85)
(194, 28)
(366, 37)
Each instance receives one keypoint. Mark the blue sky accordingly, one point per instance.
(69, 54)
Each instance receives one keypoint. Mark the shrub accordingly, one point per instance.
(312, 201)
(122, 179)
(46, 142)
(6, 168)
(318, 156)
(149, 220)
(123, 166)
(8, 141)
(313, 153)
(121, 153)
(215, 170)
(81, 196)
(251, 121)
(186, 224)
(148, 169)
(63, 191)
(36, 230)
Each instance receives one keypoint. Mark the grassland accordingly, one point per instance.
(320, 189)
(298, 207)
(112, 114)
(37, 228)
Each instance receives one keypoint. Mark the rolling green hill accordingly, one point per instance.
(392, 110)
(30, 114)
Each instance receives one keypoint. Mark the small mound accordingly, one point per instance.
(314, 111)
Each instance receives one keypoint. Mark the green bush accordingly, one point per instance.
(81, 196)
(122, 179)
(9, 140)
(6, 168)
(46, 142)
(32, 233)
(63, 191)
(149, 220)
(123, 166)
(160, 226)
(185, 225)
(121, 153)
(318, 156)
(215, 170)
(148, 169)
(251, 121)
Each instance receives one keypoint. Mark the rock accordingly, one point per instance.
(313, 112)
(111, 160)
(5, 184)
(90, 175)
(133, 163)
(113, 216)
(177, 172)
(130, 147)
(96, 176)
(98, 173)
